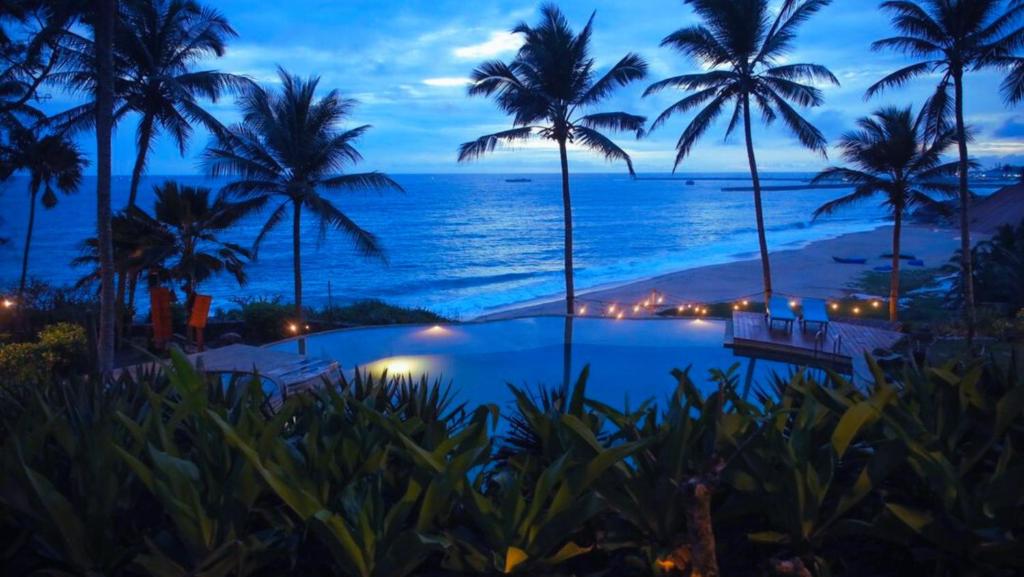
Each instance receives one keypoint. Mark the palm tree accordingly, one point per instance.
(104, 15)
(156, 49)
(52, 162)
(187, 217)
(952, 37)
(743, 47)
(545, 88)
(289, 147)
(893, 156)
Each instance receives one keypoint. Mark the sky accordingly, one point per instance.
(406, 63)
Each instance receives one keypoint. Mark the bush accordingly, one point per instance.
(59, 349)
(183, 475)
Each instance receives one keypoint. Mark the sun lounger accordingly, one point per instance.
(779, 311)
(814, 313)
(844, 260)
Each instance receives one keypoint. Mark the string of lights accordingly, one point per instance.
(659, 303)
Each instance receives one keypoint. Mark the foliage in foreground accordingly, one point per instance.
(179, 476)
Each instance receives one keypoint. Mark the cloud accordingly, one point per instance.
(498, 43)
(1012, 128)
(447, 81)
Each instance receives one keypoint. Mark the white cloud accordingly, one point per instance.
(498, 43)
(447, 81)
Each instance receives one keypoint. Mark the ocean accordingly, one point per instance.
(467, 244)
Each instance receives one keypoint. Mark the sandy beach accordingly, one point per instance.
(804, 272)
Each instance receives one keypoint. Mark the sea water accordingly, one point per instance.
(465, 244)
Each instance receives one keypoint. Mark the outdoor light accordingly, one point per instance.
(293, 327)
(611, 309)
(619, 316)
(876, 304)
(661, 300)
(8, 303)
(647, 303)
(792, 304)
(856, 310)
(636, 308)
(583, 310)
(745, 303)
(735, 307)
(835, 306)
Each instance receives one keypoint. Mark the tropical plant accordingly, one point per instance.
(545, 89)
(156, 48)
(999, 267)
(953, 37)
(289, 147)
(192, 218)
(52, 162)
(893, 157)
(744, 49)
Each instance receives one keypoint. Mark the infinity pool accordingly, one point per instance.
(630, 360)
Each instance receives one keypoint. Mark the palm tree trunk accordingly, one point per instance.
(144, 137)
(570, 288)
(766, 267)
(297, 262)
(894, 284)
(28, 241)
(104, 39)
(966, 266)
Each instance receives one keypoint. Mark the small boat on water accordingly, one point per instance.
(842, 260)
(518, 180)
(690, 182)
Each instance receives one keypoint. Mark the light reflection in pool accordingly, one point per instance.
(628, 359)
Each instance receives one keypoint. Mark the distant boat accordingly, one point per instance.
(518, 180)
(842, 260)
(690, 182)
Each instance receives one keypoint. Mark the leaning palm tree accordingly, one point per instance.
(289, 147)
(951, 38)
(156, 49)
(546, 88)
(51, 162)
(743, 49)
(893, 155)
(193, 219)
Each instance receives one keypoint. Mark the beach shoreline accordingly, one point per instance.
(742, 279)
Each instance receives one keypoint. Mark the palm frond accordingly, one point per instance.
(617, 121)
(600, 143)
(485, 144)
(629, 69)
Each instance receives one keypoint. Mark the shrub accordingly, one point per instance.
(60, 348)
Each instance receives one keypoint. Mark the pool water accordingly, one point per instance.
(630, 360)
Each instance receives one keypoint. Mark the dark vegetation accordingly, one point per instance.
(918, 473)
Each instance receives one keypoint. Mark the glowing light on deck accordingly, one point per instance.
(619, 316)
(835, 306)
(792, 304)
(583, 310)
(876, 304)
(8, 303)
(856, 310)
(292, 327)
(745, 303)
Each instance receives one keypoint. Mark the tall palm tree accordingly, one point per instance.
(156, 50)
(192, 219)
(743, 49)
(289, 147)
(546, 88)
(52, 162)
(104, 14)
(953, 37)
(892, 155)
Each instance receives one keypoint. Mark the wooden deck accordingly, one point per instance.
(841, 347)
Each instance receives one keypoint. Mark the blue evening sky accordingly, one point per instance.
(406, 62)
